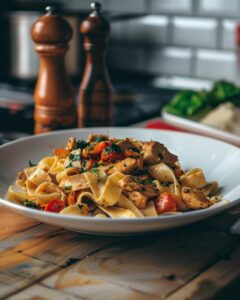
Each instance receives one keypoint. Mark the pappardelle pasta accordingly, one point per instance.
(112, 178)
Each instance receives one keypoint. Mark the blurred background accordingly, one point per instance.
(156, 48)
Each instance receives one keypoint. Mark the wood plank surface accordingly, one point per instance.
(38, 261)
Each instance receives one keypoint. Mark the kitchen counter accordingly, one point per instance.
(199, 261)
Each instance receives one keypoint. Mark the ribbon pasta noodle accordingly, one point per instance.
(112, 178)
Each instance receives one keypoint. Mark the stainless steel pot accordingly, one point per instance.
(24, 61)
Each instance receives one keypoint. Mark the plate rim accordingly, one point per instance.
(204, 129)
(59, 132)
(203, 212)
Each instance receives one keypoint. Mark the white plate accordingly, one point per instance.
(197, 127)
(220, 161)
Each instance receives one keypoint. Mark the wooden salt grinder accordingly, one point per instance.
(95, 107)
(53, 95)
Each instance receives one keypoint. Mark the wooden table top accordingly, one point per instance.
(38, 261)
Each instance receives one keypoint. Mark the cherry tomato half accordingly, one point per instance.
(56, 205)
(165, 203)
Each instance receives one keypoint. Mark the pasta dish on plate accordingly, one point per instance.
(106, 177)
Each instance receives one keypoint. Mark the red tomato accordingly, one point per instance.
(98, 148)
(56, 205)
(165, 203)
(90, 164)
(111, 156)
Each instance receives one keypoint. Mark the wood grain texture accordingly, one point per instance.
(210, 282)
(38, 261)
(13, 223)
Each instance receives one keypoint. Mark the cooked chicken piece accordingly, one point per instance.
(138, 192)
(131, 183)
(194, 199)
(127, 165)
(137, 198)
(125, 144)
(154, 152)
(92, 137)
(71, 144)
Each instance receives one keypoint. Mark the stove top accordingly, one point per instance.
(132, 103)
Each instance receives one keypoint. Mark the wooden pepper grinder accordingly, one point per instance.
(53, 95)
(95, 107)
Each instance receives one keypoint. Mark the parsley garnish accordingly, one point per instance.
(165, 183)
(81, 144)
(30, 204)
(31, 164)
(95, 165)
(100, 139)
(113, 148)
(134, 149)
(145, 181)
(75, 157)
(69, 165)
(67, 187)
(95, 172)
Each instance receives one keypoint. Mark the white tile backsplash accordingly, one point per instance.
(127, 6)
(151, 29)
(219, 7)
(125, 58)
(169, 60)
(177, 37)
(228, 34)
(195, 32)
(216, 64)
(170, 6)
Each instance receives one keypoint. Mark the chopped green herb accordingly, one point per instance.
(100, 139)
(31, 164)
(164, 183)
(80, 206)
(133, 156)
(70, 165)
(113, 148)
(134, 149)
(81, 144)
(75, 157)
(145, 181)
(82, 170)
(95, 165)
(67, 187)
(95, 172)
(30, 204)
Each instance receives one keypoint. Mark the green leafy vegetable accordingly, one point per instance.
(193, 104)
(30, 204)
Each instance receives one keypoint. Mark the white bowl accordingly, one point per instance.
(219, 161)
